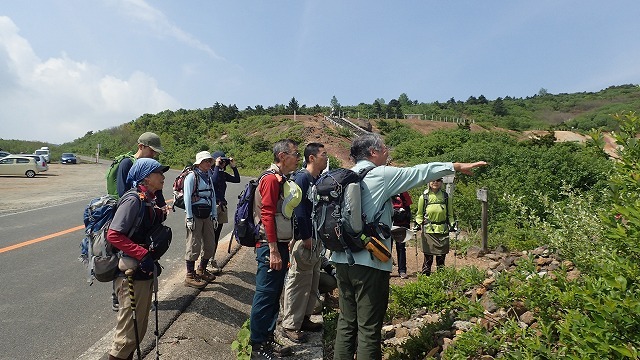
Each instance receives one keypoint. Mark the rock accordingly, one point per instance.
(542, 261)
(462, 325)
(480, 291)
(519, 307)
(527, 318)
(432, 352)
(474, 252)
(568, 264)
(488, 304)
(573, 275)
(493, 256)
(488, 281)
(494, 264)
(509, 260)
(402, 332)
(446, 343)
(501, 249)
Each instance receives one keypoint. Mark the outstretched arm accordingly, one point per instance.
(467, 168)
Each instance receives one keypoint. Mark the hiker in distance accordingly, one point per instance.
(272, 249)
(364, 287)
(201, 220)
(301, 285)
(220, 179)
(149, 147)
(147, 177)
(435, 219)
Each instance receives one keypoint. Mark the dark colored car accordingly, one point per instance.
(68, 158)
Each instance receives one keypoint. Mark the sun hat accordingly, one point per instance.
(142, 168)
(202, 155)
(292, 197)
(401, 234)
(151, 140)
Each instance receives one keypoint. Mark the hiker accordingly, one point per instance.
(301, 285)
(201, 220)
(435, 218)
(149, 147)
(364, 287)
(401, 217)
(220, 179)
(147, 176)
(272, 251)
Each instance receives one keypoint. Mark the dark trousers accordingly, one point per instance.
(364, 296)
(217, 232)
(401, 250)
(428, 262)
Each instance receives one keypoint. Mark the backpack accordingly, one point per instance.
(112, 173)
(400, 213)
(337, 215)
(245, 230)
(445, 202)
(100, 257)
(178, 186)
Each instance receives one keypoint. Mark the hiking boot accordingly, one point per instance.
(295, 335)
(403, 275)
(308, 325)
(205, 275)
(215, 269)
(194, 281)
(277, 348)
(262, 352)
(115, 305)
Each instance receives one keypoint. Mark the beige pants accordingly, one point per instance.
(301, 285)
(124, 339)
(202, 238)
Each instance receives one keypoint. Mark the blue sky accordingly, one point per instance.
(70, 66)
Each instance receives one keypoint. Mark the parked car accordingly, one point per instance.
(68, 158)
(3, 154)
(18, 165)
(41, 163)
(44, 151)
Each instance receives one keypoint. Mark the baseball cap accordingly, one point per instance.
(202, 155)
(151, 140)
(292, 197)
(218, 154)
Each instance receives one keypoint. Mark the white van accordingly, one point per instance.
(44, 151)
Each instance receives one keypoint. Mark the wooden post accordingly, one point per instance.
(482, 195)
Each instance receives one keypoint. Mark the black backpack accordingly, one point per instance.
(337, 215)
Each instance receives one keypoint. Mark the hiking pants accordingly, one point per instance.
(301, 285)
(364, 296)
(428, 262)
(124, 339)
(401, 251)
(266, 300)
(201, 238)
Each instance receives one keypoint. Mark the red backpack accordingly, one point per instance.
(178, 186)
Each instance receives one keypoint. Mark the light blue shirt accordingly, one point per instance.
(380, 184)
(205, 193)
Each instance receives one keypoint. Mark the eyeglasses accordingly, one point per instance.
(208, 160)
(296, 154)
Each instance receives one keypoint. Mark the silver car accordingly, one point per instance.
(18, 165)
(41, 162)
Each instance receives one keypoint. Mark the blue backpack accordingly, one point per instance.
(100, 257)
(245, 230)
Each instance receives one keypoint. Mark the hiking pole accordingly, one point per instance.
(155, 308)
(230, 241)
(132, 297)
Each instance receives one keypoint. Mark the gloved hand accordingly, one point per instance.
(146, 264)
(417, 227)
(454, 228)
(191, 224)
(215, 222)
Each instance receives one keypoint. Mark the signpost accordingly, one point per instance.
(482, 195)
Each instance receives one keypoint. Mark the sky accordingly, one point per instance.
(72, 66)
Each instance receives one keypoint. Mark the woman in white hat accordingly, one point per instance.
(201, 220)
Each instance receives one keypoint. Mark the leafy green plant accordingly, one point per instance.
(242, 345)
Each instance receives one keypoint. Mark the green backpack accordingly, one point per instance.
(112, 173)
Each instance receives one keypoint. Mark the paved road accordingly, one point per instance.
(47, 310)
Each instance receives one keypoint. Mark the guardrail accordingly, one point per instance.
(344, 123)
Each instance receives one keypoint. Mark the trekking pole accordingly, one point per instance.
(132, 297)
(230, 241)
(155, 308)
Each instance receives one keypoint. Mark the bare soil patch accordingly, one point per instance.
(60, 184)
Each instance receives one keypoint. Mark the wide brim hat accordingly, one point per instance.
(292, 196)
(151, 140)
(202, 155)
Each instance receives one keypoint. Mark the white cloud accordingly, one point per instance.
(155, 19)
(60, 99)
